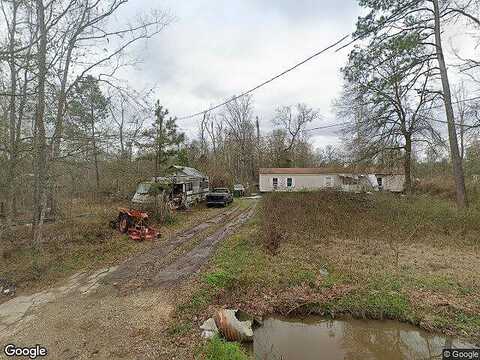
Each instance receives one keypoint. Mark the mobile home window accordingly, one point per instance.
(328, 181)
(275, 183)
(289, 182)
(380, 182)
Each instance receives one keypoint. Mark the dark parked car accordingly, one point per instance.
(219, 196)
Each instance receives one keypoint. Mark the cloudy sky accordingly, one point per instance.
(216, 48)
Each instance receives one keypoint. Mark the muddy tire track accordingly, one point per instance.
(143, 269)
(192, 261)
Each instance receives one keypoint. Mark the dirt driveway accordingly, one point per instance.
(119, 312)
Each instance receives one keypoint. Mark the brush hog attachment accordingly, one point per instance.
(134, 223)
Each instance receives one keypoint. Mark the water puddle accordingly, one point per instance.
(315, 338)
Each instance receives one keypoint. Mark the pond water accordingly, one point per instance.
(316, 338)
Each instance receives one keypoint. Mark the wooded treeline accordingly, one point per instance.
(52, 112)
(69, 127)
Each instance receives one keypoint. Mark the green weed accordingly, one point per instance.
(218, 349)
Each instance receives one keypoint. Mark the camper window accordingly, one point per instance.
(143, 188)
(177, 189)
(289, 182)
(188, 187)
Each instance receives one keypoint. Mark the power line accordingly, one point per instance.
(354, 39)
(328, 126)
(269, 80)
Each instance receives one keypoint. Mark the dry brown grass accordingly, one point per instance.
(80, 240)
(441, 186)
(394, 219)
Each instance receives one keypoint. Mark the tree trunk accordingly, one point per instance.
(462, 137)
(58, 134)
(95, 153)
(407, 163)
(159, 141)
(40, 156)
(13, 118)
(452, 133)
(122, 143)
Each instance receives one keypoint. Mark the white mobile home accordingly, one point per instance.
(344, 179)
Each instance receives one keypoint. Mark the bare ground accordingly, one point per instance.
(119, 312)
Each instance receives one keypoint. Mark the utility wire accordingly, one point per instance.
(328, 126)
(267, 81)
(338, 42)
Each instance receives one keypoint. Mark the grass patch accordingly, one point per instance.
(300, 277)
(438, 282)
(467, 322)
(376, 304)
(218, 349)
(200, 299)
(321, 215)
(233, 261)
(180, 329)
(219, 279)
(386, 256)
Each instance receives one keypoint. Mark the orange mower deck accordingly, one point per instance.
(134, 223)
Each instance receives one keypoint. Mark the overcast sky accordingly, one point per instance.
(216, 48)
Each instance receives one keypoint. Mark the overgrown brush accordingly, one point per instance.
(319, 216)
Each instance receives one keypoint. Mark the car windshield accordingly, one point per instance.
(220, 190)
(143, 188)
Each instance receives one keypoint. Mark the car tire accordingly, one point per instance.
(124, 223)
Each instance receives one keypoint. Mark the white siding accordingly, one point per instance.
(299, 181)
(322, 181)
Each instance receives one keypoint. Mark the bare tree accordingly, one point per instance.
(129, 109)
(17, 35)
(238, 118)
(293, 122)
(40, 140)
(466, 115)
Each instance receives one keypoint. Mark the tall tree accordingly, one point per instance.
(391, 85)
(88, 109)
(292, 121)
(240, 136)
(40, 140)
(422, 21)
(18, 35)
(163, 138)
